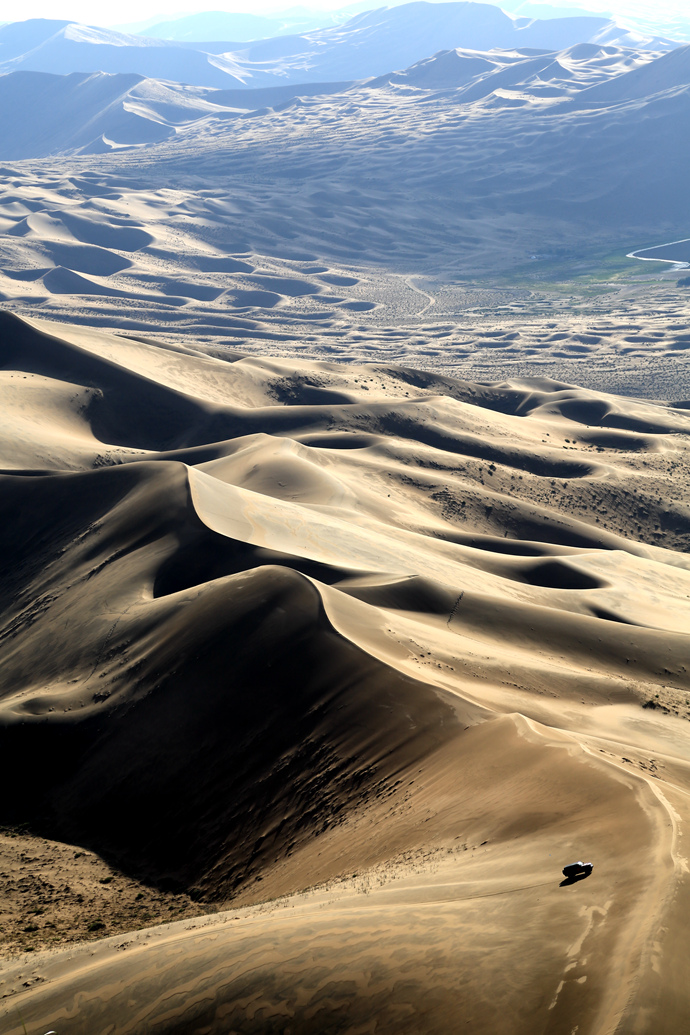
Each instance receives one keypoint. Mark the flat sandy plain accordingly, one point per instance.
(346, 586)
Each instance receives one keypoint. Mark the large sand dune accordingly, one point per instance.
(370, 44)
(360, 657)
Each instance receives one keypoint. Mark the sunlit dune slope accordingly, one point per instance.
(362, 656)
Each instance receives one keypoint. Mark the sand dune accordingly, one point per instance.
(74, 113)
(438, 123)
(667, 72)
(370, 44)
(357, 657)
(344, 601)
(90, 113)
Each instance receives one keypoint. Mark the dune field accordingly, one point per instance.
(356, 657)
(470, 214)
(345, 530)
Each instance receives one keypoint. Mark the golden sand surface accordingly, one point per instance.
(350, 660)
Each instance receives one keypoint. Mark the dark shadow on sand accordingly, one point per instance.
(574, 879)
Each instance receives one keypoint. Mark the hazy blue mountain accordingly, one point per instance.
(377, 42)
(370, 44)
(656, 20)
(221, 25)
(19, 38)
(525, 9)
(44, 45)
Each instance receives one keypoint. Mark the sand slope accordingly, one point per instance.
(89, 113)
(360, 656)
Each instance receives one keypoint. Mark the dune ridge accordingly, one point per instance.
(357, 656)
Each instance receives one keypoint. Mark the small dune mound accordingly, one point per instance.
(585, 411)
(292, 287)
(335, 440)
(220, 264)
(105, 233)
(415, 594)
(63, 281)
(359, 306)
(97, 262)
(257, 299)
(558, 574)
(338, 280)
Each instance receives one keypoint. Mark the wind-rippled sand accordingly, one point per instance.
(358, 657)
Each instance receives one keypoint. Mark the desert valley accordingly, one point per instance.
(344, 454)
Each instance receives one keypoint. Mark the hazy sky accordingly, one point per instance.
(112, 12)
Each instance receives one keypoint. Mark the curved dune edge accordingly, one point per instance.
(366, 668)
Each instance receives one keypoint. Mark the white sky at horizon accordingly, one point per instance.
(107, 12)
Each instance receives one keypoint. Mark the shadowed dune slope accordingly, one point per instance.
(361, 657)
(205, 730)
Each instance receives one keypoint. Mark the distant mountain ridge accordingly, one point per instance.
(218, 25)
(370, 44)
(223, 25)
(89, 112)
(86, 113)
(60, 47)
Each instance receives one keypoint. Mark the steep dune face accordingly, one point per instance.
(198, 610)
(205, 730)
(393, 645)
